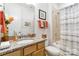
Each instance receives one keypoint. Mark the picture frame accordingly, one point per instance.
(27, 24)
(42, 14)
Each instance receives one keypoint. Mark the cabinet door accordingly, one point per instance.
(40, 52)
(41, 45)
(28, 50)
(15, 53)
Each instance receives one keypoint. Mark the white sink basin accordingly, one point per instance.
(24, 41)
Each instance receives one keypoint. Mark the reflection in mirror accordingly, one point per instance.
(23, 15)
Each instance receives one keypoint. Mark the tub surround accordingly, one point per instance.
(36, 47)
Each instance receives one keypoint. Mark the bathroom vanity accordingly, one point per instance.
(33, 48)
(24, 22)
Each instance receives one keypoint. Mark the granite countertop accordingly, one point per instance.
(15, 46)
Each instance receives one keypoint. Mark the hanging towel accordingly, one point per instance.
(2, 22)
(46, 24)
(41, 24)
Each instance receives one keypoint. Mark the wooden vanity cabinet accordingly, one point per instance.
(39, 53)
(41, 45)
(37, 49)
(15, 53)
(40, 49)
(28, 50)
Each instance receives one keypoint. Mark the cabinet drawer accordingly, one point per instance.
(29, 49)
(15, 53)
(41, 45)
(39, 53)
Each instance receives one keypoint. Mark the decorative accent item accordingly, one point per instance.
(27, 24)
(7, 22)
(44, 36)
(43, 24)
(31, 35)
(42, 14)
(10, 19)
(3, 26)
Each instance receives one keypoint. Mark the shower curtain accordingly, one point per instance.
(69, 30)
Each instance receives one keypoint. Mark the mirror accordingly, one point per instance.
(24, 16)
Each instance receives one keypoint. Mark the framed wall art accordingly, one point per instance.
(42, 14)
